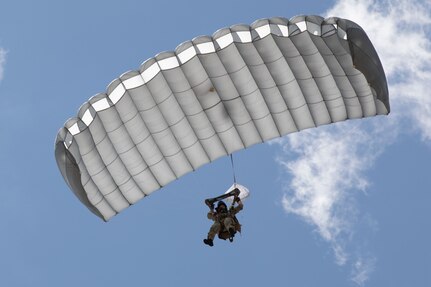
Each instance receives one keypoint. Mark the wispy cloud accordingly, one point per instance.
(2, 62)
(328, 170)
(330, 164)
(362, 268)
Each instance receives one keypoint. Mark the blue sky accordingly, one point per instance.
(374, 231)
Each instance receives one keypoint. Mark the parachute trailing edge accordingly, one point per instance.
(213, 96)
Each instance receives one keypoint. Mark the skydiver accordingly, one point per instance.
(225, 222)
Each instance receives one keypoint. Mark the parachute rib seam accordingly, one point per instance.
(337, 85)
(277, 85)
(187, 116)
(106, 135)
(295, 78)
(260, 93)
(248, 94)
(103, 163)
(300, 86)
(204, 109)
(241, 96)
(251, 120)
(269, 62)
(152, 133)
(102, 197)
(97, 173)
(118, 186)
(228, 100)
(122, 125)
(105, 167)
(135, 144)
(233, 125)
(233, 84)
(314, 77)
(333, 78)
(259, 88)
(183, 117)
(347, 78)
(95, 184)
(117, 157)
(220, 101)
(363, 99)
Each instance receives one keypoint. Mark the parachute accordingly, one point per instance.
(213, 96)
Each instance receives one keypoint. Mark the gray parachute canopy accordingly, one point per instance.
(213, 96)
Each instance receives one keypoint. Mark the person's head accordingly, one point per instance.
(221, 206)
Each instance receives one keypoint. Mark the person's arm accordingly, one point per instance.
(212, 215)
(239, 207)
(210, 204)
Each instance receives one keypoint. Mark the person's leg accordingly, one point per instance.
(214, 230)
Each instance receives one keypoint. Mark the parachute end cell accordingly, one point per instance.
(366, 60)
(71, 174)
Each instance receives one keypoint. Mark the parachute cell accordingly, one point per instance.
(213, 96)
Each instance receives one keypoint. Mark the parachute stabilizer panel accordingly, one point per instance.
(213, 96)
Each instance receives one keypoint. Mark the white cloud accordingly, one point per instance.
(322, 171)
(362, 268)
(2, 62)
(330, 164)
(329, 168)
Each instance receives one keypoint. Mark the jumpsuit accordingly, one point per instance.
(223, 219)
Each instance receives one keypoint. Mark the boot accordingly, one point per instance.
(209, 242)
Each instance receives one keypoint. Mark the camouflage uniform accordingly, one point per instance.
(225, 219)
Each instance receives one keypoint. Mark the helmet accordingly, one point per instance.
(220, 204)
